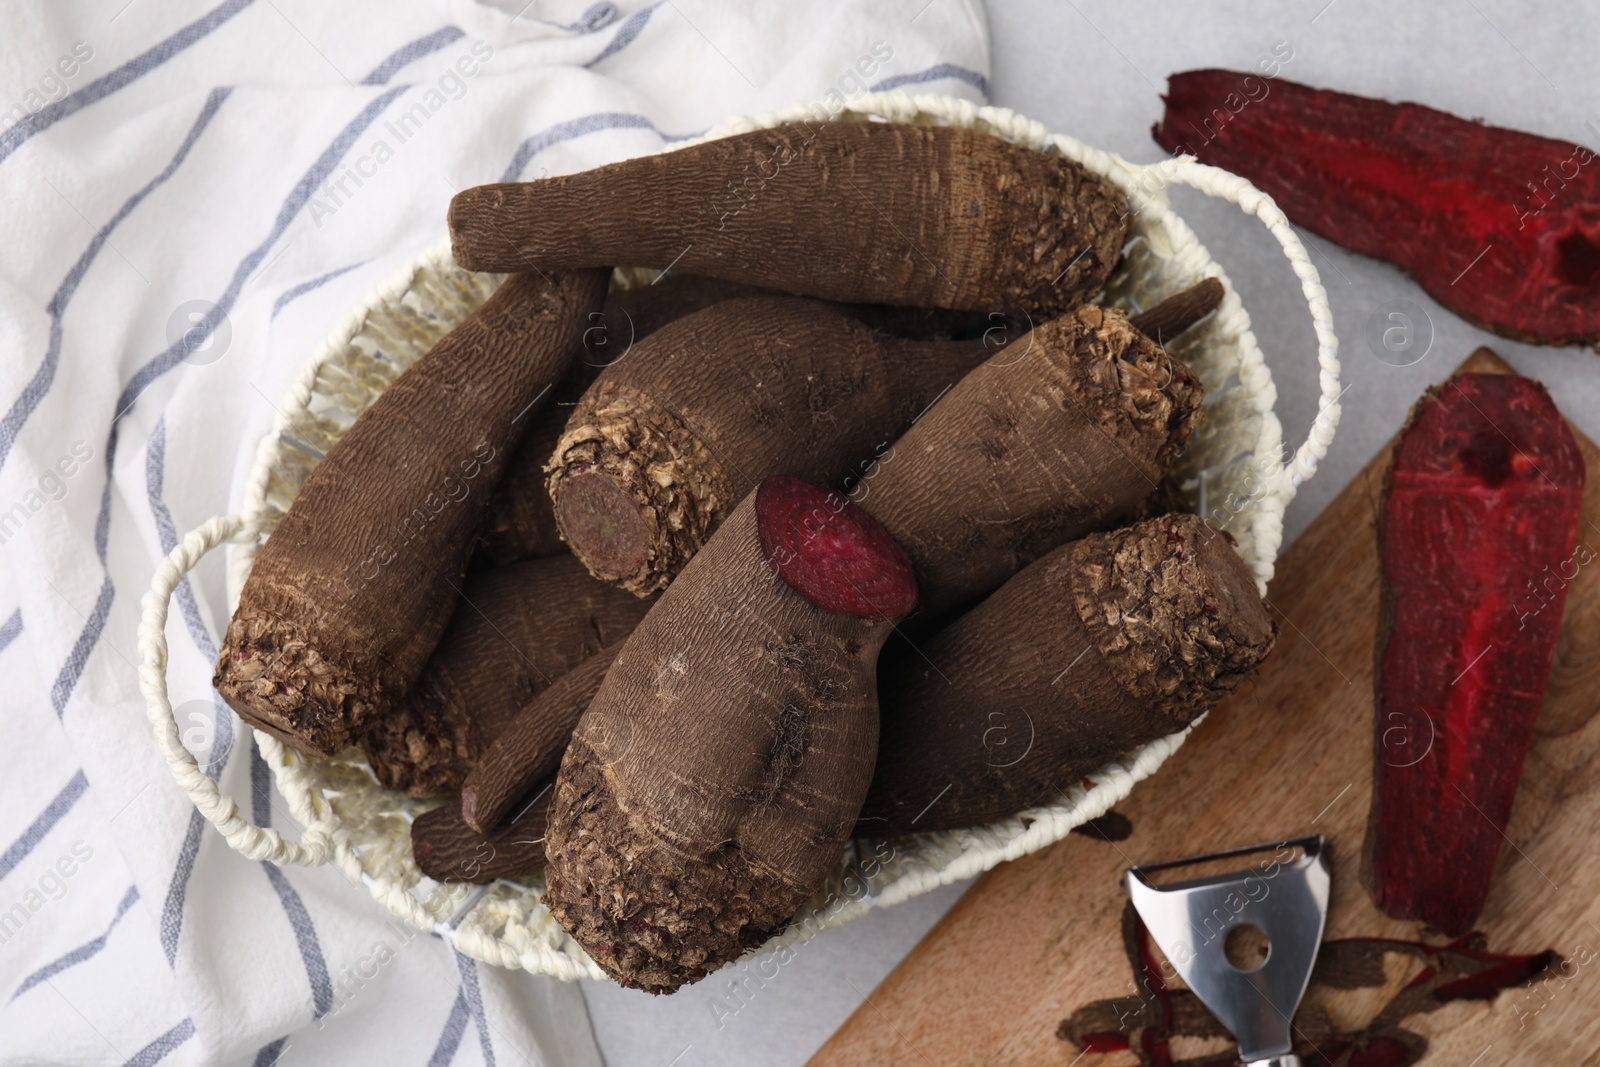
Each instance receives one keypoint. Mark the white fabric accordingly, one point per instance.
(174, 251)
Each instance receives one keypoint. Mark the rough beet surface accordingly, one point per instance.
(667, 440)
(349, 596)
(448, 850)
(712, 782)
(515, 630)
(529, 750)
(1105, 644)
(928, 216)
(1062, 431)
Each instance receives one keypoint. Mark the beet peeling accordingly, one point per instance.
(1481, 510)
(832, 552)
(1499, 226)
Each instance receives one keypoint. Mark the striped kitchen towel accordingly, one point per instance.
(194, 194)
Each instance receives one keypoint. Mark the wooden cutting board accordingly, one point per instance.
(1042, 938)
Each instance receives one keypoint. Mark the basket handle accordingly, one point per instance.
(1225, 185)
(261, 843)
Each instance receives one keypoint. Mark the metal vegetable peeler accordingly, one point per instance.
(1286, 900)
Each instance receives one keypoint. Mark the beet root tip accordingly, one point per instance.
(469, 810)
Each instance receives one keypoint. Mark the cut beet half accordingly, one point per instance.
(1479, 525)
(1500, 226)
(832, 552)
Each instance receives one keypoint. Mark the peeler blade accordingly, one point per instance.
(1287, 900)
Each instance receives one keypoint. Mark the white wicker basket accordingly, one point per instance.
(1236, 465)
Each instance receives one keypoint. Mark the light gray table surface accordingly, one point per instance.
(1096, 70)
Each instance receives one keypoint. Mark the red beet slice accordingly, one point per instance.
(1499, 226)
(832, 552)
(1479, 525)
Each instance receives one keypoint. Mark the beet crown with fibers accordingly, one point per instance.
(1059, 433)
(1477, 533)
(349, 595)
(874, 212)
(667, 440)
(520, 522)
(1102, 646)
(713, 781)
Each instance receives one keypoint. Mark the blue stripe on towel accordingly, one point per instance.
(170, 926)
(155, 461)
(268, 1056)
(410, 53)
(450, 1039)
(78, 658)
(297, 199)
(260, 789)
(70, 672)
(294, 908)
(626, 33)
(59, 806)
(566, 131)
(305, 936)
(932, 74)
(11, 630)
(171, 923)
(401, 57)
(291, 295)
(157, 1050)
(474, 998)
(78, 955)
(36, 389)
(131, 71)
(34, 392)
(305, 931)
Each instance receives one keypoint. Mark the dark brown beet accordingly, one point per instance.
(520, 522)
(350, 594)
(1167, 497)
(448, 850)
(666, 441)
(1063, 430)
(930, 216)
(528, 751)
(1179, 312)
(712, 783)
(1103, 645)
(514, 630)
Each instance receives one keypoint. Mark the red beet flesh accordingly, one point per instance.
(830, 551)
(1477, 544)
(1499, 226)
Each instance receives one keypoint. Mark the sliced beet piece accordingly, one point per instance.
(1479, 525)
(1500, 226)
(832, 552)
